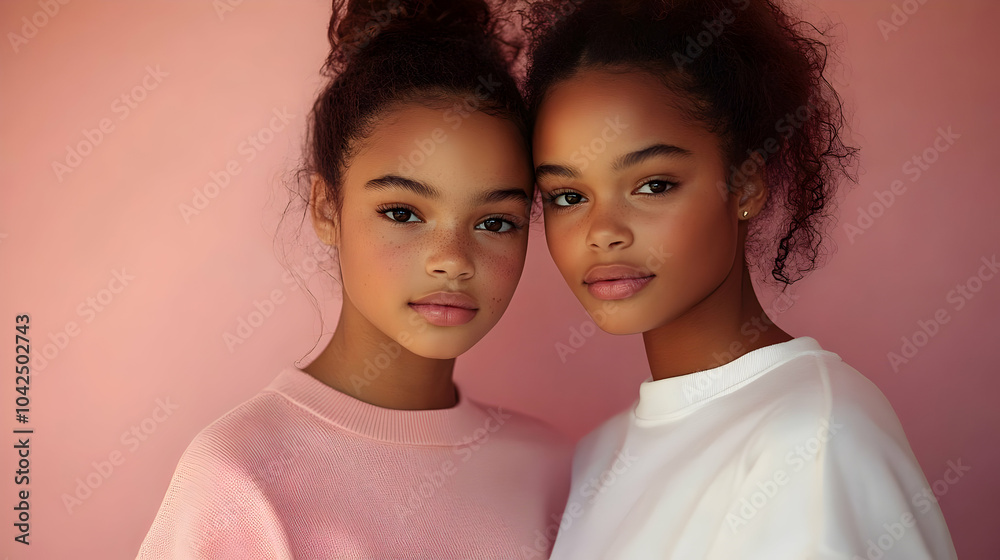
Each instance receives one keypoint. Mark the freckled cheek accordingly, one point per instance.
(501, 273)
(375, 258)
(390, 257)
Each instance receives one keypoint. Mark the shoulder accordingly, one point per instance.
(832, 436)
(229, 456)
(236, 442)
(217, 502)
(832, 429)
(817, 394)
(225, 456)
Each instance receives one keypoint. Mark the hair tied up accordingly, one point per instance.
(355, 24)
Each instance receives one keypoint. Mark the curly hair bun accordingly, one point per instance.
(356, 24)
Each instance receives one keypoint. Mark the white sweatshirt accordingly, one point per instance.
(784, 453)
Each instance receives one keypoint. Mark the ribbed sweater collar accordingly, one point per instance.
(673, 396)
(449, 426)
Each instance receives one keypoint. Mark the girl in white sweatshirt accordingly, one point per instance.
(676, 144)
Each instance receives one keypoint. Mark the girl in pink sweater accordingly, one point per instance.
(418, 175)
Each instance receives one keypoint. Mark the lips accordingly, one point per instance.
(616, 281)
(446, 309)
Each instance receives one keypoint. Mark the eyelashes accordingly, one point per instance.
(563, 198)
(663, 186)
(398, 213)
(402, 214)
(499, 224)
(568, 197)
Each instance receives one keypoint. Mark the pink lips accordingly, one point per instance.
(616, 281)
(446, 309)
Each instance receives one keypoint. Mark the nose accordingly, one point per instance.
(451, 256)
(608, 229)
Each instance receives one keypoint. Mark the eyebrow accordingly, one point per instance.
(500, 195)
(387, 182)
(656, 150)
(626, 160)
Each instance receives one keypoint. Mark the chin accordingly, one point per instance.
(620, 328)
(619, 317)
(440, 347)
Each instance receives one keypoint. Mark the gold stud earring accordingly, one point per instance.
(745, 213)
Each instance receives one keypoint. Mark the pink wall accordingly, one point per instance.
(200, 83)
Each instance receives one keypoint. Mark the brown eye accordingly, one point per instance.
(400, 215)
(496, 225)
(655, 186)
(567, 199)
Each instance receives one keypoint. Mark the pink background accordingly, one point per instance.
(161, 336)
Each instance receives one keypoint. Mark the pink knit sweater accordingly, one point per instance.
(304, 471)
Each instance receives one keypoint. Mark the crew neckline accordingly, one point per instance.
(665, 398)
(445, 426)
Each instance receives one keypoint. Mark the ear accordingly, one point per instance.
(322, 212)
(751, 196)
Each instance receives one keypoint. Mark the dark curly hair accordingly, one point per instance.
(387, 52)
(753, 74)
(453, 55)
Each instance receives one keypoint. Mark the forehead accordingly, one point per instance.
(443, 146)
(623, 109)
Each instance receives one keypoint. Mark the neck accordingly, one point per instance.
(725, 325)
(361, 361)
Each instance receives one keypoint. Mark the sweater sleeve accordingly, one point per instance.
(214, 509)
(835, 480)
(872, 485)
